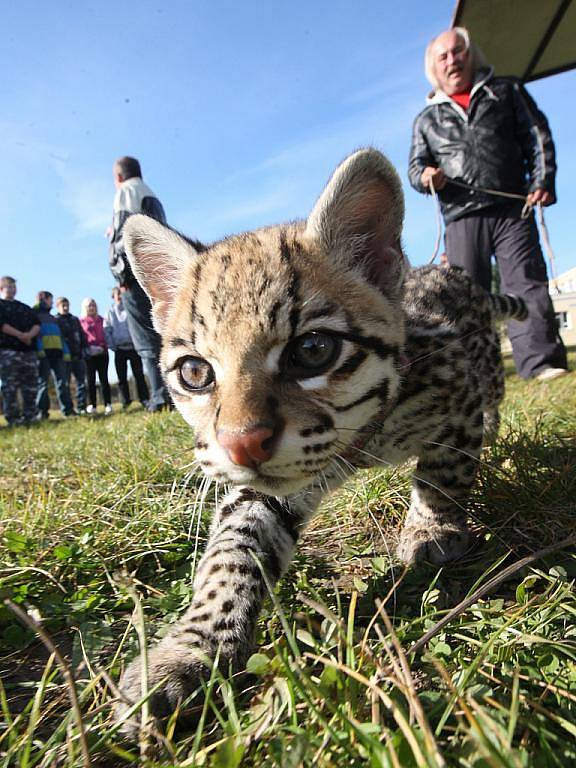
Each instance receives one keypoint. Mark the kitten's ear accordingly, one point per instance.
(158, 257)
(358, 218)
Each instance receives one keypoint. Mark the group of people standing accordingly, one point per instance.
(480, 142)
(36, 345)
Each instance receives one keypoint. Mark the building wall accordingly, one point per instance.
(565, 309)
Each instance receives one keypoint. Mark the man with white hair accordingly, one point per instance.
(477, 133)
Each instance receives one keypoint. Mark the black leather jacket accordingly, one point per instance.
(501, 142)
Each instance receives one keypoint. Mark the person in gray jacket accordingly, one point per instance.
(134, 196)
(119, 340)
(479, 136)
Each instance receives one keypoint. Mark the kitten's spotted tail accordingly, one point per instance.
(508, 307)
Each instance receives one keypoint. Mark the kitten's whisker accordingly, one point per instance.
(349, 467)
(314, 295)
(338, 468)
(456, 340)
(379, 460)
(465, 453)
(197, 512)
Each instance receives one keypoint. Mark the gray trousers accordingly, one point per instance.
(472, 241)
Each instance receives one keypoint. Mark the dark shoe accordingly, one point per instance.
(157, 408)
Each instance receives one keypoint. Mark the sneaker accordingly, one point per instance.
(107, 410)
(82, 412)
(547, 374)
(91, 409)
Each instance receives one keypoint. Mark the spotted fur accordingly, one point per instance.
(299, 354)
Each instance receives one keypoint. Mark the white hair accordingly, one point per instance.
(84, 306)
(477, 57)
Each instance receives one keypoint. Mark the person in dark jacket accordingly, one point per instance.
(52, 355)
(19, 326)
(134, 196)
(75, 339)
(481, 131)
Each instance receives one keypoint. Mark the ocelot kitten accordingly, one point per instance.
(300, 353)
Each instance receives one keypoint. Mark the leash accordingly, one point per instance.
(526, 211)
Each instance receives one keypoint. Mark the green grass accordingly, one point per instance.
(97, 514)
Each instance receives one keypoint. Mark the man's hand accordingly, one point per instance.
(540, 196)
(434, 175)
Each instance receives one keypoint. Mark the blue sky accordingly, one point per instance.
(238, 111)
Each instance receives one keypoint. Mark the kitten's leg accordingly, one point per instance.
(435, 529)
(249, 528)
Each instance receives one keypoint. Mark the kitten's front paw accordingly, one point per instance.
(435, 544)
(177, 674)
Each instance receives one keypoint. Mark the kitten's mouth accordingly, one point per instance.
(265, 483)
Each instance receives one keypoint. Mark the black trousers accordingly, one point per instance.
(472, 241)
(121, 359)
(98, 364)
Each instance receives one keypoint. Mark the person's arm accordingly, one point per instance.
(535, 138)
(422, 168)
(9, 330)
(83, 339)
(153, 208)
(24, 336)
(109, 331)
(32, 333)
(116, 255)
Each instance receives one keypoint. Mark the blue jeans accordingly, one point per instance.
(58, 368)
(77, 368)
(145, 339)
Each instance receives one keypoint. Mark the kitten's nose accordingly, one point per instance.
(249, 448)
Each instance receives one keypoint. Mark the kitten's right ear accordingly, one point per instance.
(158, 256)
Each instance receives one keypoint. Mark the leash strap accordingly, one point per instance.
(526, 211)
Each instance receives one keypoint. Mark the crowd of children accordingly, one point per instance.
(36, 345)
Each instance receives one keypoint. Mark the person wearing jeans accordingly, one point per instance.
(75, 339)
(52, 350)
(134, 196)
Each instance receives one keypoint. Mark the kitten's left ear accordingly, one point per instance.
(159, 257)
(358, 218)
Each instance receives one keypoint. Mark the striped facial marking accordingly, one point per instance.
(275, 345)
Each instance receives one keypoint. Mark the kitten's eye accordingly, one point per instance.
(310, 355)
(195, 373)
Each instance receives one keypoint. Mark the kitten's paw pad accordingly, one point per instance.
(174, 676)
(435, 544)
